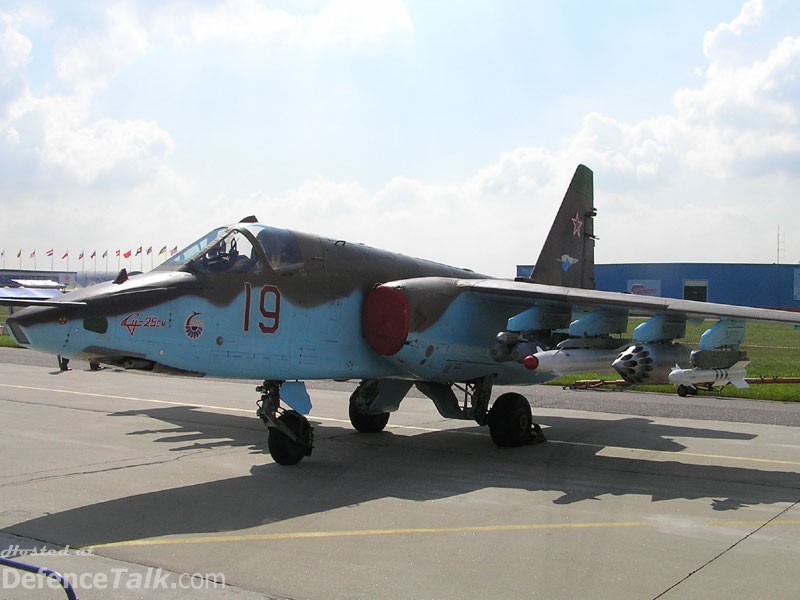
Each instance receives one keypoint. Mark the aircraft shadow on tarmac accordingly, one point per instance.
(349, 469)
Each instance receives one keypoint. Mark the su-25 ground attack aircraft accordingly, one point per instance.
(254, 301)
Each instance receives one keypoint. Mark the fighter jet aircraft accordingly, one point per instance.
(259, 302)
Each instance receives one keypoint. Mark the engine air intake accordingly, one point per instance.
(385, 320)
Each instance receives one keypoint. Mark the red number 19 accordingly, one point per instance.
(269, 306)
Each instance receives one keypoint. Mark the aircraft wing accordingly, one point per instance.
(550, 330)
(532, 294)
(10, 296)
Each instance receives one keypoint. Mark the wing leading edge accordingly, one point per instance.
(532, 293)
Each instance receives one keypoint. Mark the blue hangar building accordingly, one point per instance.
(759, 285)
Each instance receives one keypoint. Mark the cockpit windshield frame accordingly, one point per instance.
(218, 251)
(194, 249)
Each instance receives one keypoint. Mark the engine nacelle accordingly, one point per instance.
(652, 363)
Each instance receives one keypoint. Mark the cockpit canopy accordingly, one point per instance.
(242, 249)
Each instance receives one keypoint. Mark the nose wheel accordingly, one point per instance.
(291, 439)
(291, 436)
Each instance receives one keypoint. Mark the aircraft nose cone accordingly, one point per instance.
(41, 328)
(14, 329)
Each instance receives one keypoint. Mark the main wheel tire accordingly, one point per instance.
(282, 448)
(510, 420)
(366, 422)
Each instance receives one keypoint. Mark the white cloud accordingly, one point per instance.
(87, 152)
(15, 48)
(87, 62)
(253, 21)
(743, 119)
(357, 21)
(59, 128)
(723, 39)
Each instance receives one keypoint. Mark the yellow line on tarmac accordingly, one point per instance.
(299, 535)
(775, 523)
(361, 532)
(773, 461)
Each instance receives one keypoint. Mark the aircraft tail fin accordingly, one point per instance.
(567, 257)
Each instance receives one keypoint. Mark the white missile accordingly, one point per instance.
(734, 375)
(572, 360)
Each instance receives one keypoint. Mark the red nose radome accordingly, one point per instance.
(385, 319)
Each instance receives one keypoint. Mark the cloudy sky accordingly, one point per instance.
(447, 130)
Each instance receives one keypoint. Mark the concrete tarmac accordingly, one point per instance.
(143, 486)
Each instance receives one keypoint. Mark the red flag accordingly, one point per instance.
(127, 254)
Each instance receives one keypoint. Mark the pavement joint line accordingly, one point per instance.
(410, 427)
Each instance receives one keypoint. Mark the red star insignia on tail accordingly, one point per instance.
(577, 224)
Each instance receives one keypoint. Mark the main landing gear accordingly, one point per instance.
(509, 419)
(511, 423)
(361, 399)
(291, 437)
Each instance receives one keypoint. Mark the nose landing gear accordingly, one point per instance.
(291, 436)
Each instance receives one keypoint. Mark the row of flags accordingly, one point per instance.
(127, 254)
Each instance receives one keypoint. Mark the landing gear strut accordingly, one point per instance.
(291, 437)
